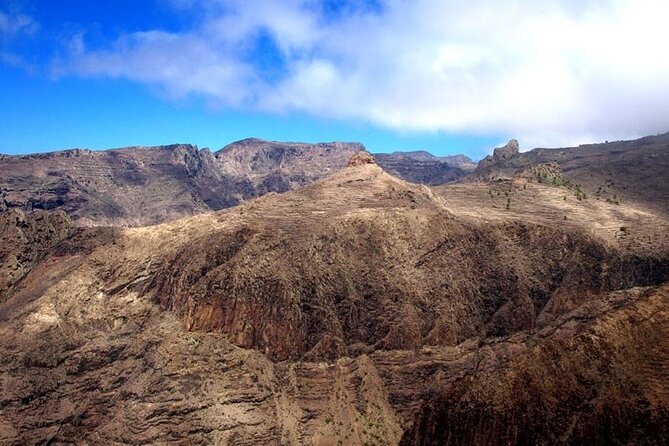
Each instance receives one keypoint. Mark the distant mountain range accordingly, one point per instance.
(525, 303)
(136, 186)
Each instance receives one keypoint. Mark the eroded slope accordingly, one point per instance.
(325, 315)
(605, 385)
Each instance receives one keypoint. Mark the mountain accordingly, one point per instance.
(633, 171)
(598, 382)
(357, 309)
(146, 185)
(137, 186)
(425, 168)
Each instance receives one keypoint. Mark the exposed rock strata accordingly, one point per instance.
(326, 315)
(137, 186)
(621, 171)
(604, 385)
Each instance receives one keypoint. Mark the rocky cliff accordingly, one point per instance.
(599, 382)
(330, 315)
(425, 168)
(146, 185)
(137, 186)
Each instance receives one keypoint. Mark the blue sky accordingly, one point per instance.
(440, 75)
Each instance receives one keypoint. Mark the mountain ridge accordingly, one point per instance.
(334, 313)
(135, 186)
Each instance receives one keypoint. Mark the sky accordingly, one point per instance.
(445, 76)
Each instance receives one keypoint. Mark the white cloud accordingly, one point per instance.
(550, 72)
(12, 24)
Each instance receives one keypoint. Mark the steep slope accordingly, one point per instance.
(607, 384)
(334, 268)
(118, 187)
(281, 166)
(325, 315)
(622, 171)
(137, 186)
(25, 240)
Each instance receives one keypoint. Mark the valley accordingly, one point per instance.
(339, 304)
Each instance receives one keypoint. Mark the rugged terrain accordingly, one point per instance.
(339, 313)
(622, 171)
(146, 185)
(424, 168)
(137, 186)
(599, 382)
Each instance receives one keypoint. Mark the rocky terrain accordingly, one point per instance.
(25, 240)
(622, 171)
(424, 168)
(360, 309)
(138, 186)
(599, 382)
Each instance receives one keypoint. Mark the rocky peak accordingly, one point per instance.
(360, 158)
(499, 156)
(507, 151)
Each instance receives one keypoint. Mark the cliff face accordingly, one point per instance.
(25, 240)
(606, 384)
(146, 185)
(138, 186)
(424, 168)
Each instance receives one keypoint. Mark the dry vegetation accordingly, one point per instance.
(330, 314)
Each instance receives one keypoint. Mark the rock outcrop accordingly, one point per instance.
(501, 156)
(360, 159)
(605, 384)
(25, 239)
(633, 171)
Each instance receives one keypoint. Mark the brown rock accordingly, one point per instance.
(360, 159)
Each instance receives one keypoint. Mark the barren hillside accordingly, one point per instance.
(622, 171)
(138, 186)
(325, 315)
(147, 185)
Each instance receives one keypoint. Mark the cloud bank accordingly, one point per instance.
(550, 72)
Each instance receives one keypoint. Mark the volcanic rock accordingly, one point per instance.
(621, 171)
(604, 385)
(425, 168)
(343, 312)
(360, 159)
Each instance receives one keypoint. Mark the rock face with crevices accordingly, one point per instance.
(425, 168)
(354, 310)
(137, 186)
(25, 239)
(606, 384)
